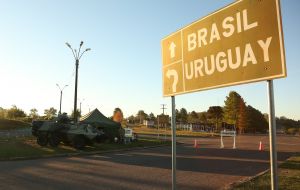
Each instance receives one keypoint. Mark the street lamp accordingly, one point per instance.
(77, 56)
(80, 105)
(61, 92)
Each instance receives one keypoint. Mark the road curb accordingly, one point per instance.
(78, 154)
(244, 180)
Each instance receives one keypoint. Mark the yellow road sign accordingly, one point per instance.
(241, 43)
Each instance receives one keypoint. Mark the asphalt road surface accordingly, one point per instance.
(16, 133)
(207, 167)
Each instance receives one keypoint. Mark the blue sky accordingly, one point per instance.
(124, 67)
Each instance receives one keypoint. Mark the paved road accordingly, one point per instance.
(16, 133)
(208, 167)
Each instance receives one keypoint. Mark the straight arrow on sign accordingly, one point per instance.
(172, 49)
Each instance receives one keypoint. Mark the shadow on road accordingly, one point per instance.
(210, 160)
(139, 169)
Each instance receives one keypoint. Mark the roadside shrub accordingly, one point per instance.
(25, 119)
(292, 131)
(7, 124)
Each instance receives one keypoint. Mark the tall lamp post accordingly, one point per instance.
(77, 55)
(61, 92)
(80, 105)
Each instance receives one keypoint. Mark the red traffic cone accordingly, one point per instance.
(196, 144)
(260, 148)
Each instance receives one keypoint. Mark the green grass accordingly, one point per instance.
(7, 124)
(289, 177)
(27, 147)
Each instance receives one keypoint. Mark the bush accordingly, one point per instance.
(25, 119)
(7, 124)
(292, 131)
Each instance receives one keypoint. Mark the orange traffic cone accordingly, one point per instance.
(196, 144)
(260, 148)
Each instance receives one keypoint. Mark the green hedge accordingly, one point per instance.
(7, 124)
(293, 131)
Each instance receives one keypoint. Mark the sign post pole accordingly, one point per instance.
(222, 144)
(173, 123)
(158, 127)
(272, 137)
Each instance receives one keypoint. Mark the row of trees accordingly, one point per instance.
(235, 112)
(140, 117)
(16, 113)
(289, 126)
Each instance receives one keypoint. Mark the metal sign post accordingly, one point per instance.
(158, 127)
(173, 123)
(272, 137)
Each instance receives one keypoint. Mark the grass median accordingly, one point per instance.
(289, 177)
(22, 148)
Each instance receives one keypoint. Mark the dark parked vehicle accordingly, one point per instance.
(63, 130)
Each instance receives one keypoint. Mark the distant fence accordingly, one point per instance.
(195, 127)
(15, 133)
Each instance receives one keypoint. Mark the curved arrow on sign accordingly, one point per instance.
(175, 81)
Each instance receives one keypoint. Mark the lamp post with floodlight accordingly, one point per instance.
(77, 56)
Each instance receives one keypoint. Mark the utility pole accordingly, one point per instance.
(163, 108)
(77, 56)
(61, 92)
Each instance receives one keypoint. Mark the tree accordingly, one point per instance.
(14, 112)
(232, 108)
(183, 115)
(131, 119)
(2, 113)
(242, 122)
(203, 117)
(286, 124)
(163, 120)
(50, 113)
(256, 120)
(33, 113)
(215, 114)
(193, 117)
(152, 117)
(178, 116)
(141, 115)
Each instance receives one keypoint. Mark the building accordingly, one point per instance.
(148, 123)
